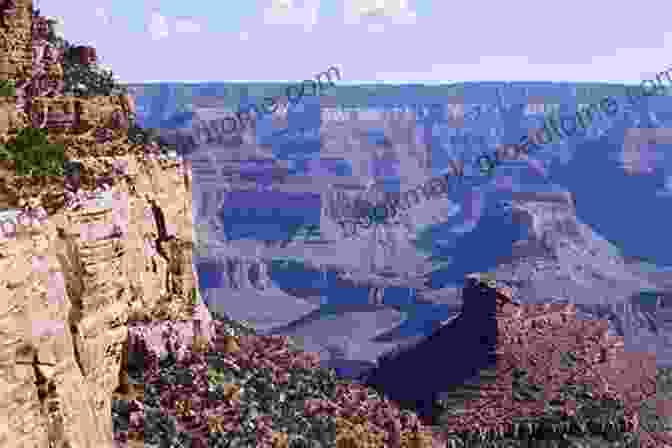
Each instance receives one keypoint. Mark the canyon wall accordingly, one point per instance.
(82, 283)
(75, 288)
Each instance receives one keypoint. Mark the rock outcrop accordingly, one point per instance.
(238, 273)
(66, 320)
(70, 113)
(494, 339)
(46, 76)
(563, 259)
(16, 60)
(78, 284)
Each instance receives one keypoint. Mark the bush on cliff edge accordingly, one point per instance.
(33, 155)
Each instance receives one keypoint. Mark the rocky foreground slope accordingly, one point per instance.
(502, 365)
(536, 373)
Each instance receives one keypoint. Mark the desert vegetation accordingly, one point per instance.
(33, 155)
(249, 390)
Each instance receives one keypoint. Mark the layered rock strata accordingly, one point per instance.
(563, 259)
(238, 273)
(71, 291)
(15, 31)
(79, 287)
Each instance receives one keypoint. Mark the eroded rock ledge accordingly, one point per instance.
(72, 285)
(83, 273)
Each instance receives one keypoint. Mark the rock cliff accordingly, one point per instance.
(85, 274)
(76, 287)
(495, 342)
(563, 259)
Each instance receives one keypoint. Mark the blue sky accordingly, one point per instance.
(395, 41)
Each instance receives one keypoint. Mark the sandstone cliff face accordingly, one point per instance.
(40, 367)
(82, 281)
(16, 59)
(71, 286)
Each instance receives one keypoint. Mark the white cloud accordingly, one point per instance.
(187, 25)
(396, 11)
(158, 26)
(288, 12)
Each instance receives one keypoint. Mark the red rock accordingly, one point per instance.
(85, 55)
(529, 337)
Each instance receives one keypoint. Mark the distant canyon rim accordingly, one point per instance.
(634, 94)
(213, 131)
(608, 105)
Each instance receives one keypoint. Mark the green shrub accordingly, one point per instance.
(87, 80)
(216, 376)
(7, 88)
(33, 155)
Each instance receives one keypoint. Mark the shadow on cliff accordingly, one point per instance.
(476, 251)
(615, 205)
(454, 354)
